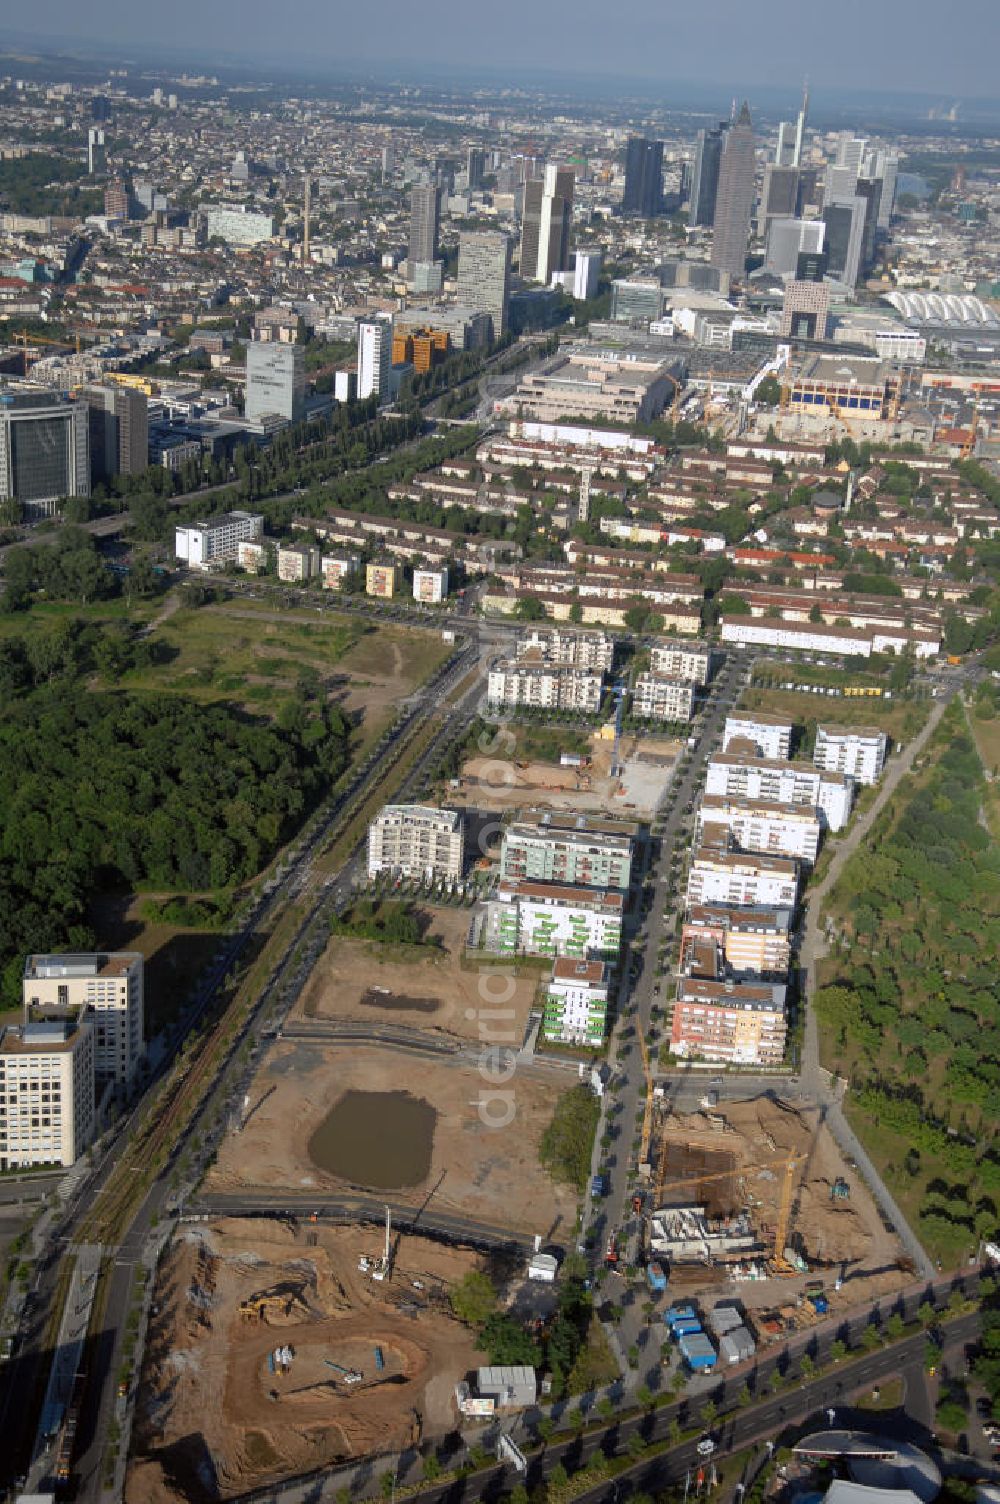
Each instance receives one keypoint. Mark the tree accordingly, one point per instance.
(530, 609)
(431, 1467)
(506, 1341)
(838, 1350)
(474, 1298)
(895, 1326)
(708, 1413)
(768, 393)
(558, 1476)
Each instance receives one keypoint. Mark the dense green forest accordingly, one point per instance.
(42, 184)
(911, 1009)
(101, 789)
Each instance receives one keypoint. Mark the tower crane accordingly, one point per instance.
(787, 1166)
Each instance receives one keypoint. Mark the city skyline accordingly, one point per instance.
(771, 46)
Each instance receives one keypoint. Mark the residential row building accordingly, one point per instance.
(569, 850)
(555, 919)
(581, 650)
(657, 699)
(789, 830)
(778, 781)
(856, 752)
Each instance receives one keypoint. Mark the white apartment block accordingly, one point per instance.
(571, 850)
(47, 1111)
(298, 563)
(252, 557)
(514, 682)
(728, 877)
(770, 734)
(586, 650)
(203, 545)
(110, 983)
(690, 661)
(430, 585)
(657, 699)
(736, 775)
(791, 830)
(576, 1002)
(859, 754)
(550, 919)
(336, 568)
(416, 840)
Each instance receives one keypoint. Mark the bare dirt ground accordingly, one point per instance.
(417, 987)
(213, 1420)
(832, 1234)
(489, 1174)
(496, 784)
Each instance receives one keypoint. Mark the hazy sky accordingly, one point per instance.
(946, 46)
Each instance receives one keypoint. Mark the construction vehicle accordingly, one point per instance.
(611, 1253)
(349, 1375)
(383, 1266)
(840, 1190)
(283, 1300)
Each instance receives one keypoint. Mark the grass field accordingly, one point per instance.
(227, 653)
(47, 614)
(902, 719)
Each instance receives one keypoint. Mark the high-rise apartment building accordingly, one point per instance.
(417, 841)
(216, 540)
(484, 275)
(374, 357)
(276, 381)
(119, 430)
(116, 200)
(546, 224)
(47, 1109)
(44, 449)
(111, 986)
(734, 203)
(425, 211)
(705, 175)
(643, 177)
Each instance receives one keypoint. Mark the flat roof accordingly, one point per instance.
(568, 969)
(773, 764)
(750, 861)
(81, 964)
(591, 898)
(753, 918)
(722, 803)
(756, 718)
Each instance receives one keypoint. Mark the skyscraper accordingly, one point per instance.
(96, 155)
(276, 381)
(484, 275)
(475, 167)
(425, 207)
(734, 202)
(374, 357)
(780, 195)
(546, 222)
(643, 177)
(44, 449)
(119, 431)
(800, 127)
(845, 234)
(705, 177)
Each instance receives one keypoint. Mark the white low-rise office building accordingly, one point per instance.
(216, 540)
(416, 840)
(770, 734)
(777, 781)
(656, 699)
(859, 753)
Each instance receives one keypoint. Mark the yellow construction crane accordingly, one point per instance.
(26, 341)
(788, 1166)
(647, 1117)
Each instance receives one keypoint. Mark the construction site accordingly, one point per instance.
(276, 1347)
(583, 785)
(332, 1118)
(755, 1196)
(431, 988)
